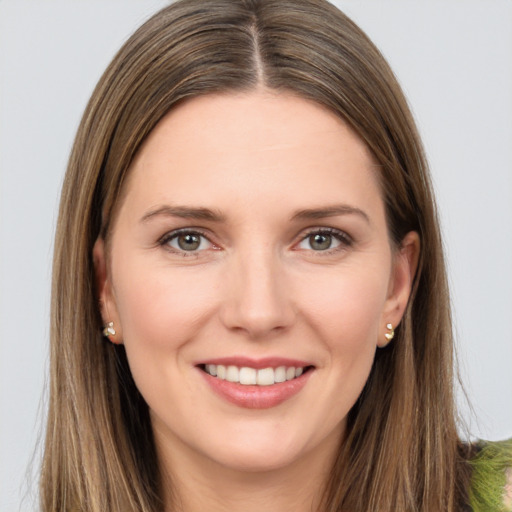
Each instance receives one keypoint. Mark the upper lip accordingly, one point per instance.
(265, 362)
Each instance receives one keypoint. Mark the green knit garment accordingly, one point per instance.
(491, 484)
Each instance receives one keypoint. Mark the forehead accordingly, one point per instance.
(252, 147)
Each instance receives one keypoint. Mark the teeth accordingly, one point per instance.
(212, 369)
(280, 374)
(247, 376)
(221, 371)
(232, 374)
(265, 377)
(251, 376)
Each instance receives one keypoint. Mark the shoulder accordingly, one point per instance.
(491, 483)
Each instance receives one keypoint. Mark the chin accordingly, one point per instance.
(251, 460)
(265, 449)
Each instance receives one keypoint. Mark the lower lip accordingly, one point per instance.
(257, 397)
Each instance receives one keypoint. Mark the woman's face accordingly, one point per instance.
(251, 243)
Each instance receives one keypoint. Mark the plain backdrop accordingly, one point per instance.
(454, 60)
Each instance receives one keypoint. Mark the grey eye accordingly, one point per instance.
(320, 242)
(324, 240)
(188, 241)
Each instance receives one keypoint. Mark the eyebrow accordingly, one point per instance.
(200, 213)
(184, 212)
(330, 211)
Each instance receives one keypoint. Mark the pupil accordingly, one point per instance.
(189, 242)
(320, 242)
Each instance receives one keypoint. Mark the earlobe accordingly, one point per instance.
(402, 278)
(105, 297)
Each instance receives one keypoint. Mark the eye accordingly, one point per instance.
(325, 240)
(186, 241)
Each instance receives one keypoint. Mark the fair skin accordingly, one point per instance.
(283, 260)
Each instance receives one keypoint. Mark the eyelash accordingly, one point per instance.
(343, 238)
(173, 235)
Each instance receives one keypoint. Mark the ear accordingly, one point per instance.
(106, 298)
(405, 264)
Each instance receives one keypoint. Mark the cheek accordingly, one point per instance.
(346, 305)
(160, 312)
(342, 312)
(159, 307)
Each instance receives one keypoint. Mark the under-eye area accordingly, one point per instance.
(255, 377)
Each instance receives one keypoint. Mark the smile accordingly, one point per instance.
(251, 376)
(256, 383)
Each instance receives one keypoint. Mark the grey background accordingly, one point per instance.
(454, 60)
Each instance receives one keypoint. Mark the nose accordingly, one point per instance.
(257, 301)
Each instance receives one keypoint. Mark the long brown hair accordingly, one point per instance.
(401, 452)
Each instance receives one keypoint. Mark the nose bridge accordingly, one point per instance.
(257, 299)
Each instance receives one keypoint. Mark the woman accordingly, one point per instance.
(247, 218)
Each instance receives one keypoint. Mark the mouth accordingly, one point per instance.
(249, 376)
(256, 384)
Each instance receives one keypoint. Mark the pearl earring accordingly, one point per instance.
(109, 330)
(391, 334)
